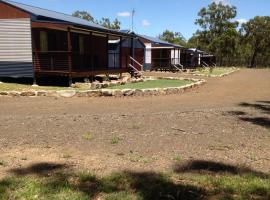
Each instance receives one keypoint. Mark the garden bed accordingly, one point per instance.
(215, 72)
(149, 84)
(145, 87)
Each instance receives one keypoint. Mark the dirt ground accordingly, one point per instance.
(226, 120)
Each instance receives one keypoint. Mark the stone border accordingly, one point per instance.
(110, 92)
(216, 76)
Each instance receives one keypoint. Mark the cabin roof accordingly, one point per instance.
(159, 41)
(61, 17)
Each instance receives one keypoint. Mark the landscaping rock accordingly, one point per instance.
(106, 93)
(28, 93)
(128, 92)
(138, 92)
(66, 93)
(3, 93)
(82, 94)
(94, 93)
(117, 93)
(42, 93)
(14, 93)
(52, 94)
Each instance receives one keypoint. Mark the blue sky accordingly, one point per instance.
(153, 16)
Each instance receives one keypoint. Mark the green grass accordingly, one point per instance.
(115, 140)
(27, 87)
(160, 83)
(217, 71)
(136, 185)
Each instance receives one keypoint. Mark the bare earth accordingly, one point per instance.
(226, 120)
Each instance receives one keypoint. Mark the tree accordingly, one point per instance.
(173, 37)
(111, 25)
(83, 15)
(105, 22)
(256, 32)
(218, 32)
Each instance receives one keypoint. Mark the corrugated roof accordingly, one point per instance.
(40, 12)
(158, 41)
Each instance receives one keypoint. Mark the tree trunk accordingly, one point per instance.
(253, 59)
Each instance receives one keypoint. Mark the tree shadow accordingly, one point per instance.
(39, 169)
(211, 167)
(262, 106)
(144, 185)
(261, 121)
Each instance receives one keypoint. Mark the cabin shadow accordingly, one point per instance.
(261, 119)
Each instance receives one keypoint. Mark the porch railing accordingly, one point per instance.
(59, 61)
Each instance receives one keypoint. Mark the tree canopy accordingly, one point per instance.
(173, 37)
(105, 22)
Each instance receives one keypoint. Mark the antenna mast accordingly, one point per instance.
(132, 26)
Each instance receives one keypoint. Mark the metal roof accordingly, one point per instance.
(40, 12)
(159, 41)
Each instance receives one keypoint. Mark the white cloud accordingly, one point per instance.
(145, 22)
(124, 14)
(224, 2)
(242, 21)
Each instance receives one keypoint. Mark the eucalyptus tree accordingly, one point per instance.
(218, 33)
(256, 32)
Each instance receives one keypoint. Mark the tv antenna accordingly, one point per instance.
(132, 23)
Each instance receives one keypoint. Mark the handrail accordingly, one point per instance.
(136, 62)
(204, 63)
(134, 68)
(176, 67)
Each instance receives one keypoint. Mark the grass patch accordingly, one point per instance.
(87, 136)
(27, 87)
(115, 140)
(217, 71)
(2, 163)
(160, 83)
(136, 185)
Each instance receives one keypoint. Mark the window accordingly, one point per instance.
(43, 41)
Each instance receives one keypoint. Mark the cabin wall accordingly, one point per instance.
(10, 12)
(16, 48)
(15, 42)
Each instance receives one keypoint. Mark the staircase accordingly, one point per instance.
(133, 70)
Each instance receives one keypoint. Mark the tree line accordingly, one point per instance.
(233, 43)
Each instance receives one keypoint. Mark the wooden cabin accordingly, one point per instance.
(134, 44)
(36, 42)
(161, 55)
(192, 58)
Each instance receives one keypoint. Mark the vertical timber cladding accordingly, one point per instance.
(16, 48)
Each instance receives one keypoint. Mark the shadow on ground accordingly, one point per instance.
(263, 108)
(210, 167)
(54, 181)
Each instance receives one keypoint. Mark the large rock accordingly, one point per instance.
(94, 93)
(14, 93)
(66, 93)
(28, 93)
(138, 92)
(42, 93)
(3, 93)
(117, 93)
(128, 92)
(107, 92)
